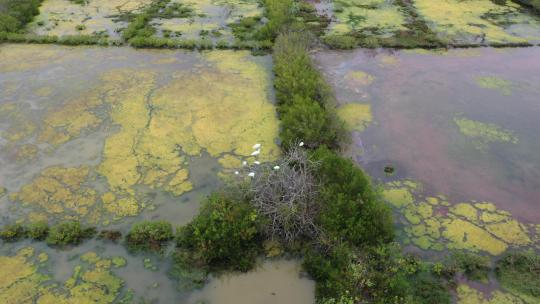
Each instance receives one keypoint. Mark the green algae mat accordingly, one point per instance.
(430, 23)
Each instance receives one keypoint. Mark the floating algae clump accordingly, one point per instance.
(483, 134)
(359, 78)
(356, 116)
(472, 21)
(91, 282)
(494, 83)
(68, 121)
(469, 295)
(19, 278)
(465, 235)
(59, 192)
(432, 223)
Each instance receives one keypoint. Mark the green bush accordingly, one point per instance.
(520, 273)
(68, 233)
(15, 14)
(12, 233)
(474, 266)
(225, 234)
(279, 14)
(37, 231)
(351, 208)
(149, 235)
(304, 99)
(306, 120)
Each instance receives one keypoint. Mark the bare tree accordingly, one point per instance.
(286, 193)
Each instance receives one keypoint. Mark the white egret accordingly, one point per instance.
(255, 153)
(257, 162)
(256, 146)
(251, 174)
(236, 172)
(276, 167)
(301, 144)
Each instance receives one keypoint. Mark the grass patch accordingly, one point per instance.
(520, 273)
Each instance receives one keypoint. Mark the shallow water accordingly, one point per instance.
(416, 99)
(110, 136)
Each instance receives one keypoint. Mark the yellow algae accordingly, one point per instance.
(359, 78)
(483, 134)
(19, 278)
(509, 231)
(486, 206)
(379, 15)
(59, 192)
(469, 295)
(424, 209)
(19, 131)
(26, 152)
(466, 21)
(118, 261)
(432, 200)
(123, 207)
(61, 17)
(465, 210)
(230, 161)
(490, 217)
(43, 257)
(35, 56)
(398, 196)
(387, 60)
(465, 235)
(495, 83)
(356, 116)
(66, 122)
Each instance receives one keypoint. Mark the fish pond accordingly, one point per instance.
(110, 136)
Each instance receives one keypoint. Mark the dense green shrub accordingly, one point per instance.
(15, 14)
(304, 99)
(37, 231)
(474, 266)
(68, 233)
(225, 234)
(12, 233)
(351, 208)
(306, 120)
(279, 13)
(520, 273)
(380, 274)
(149, 235)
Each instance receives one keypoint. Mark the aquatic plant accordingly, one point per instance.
(226, 234)
(37, 231)
(475, 267)
(149, 235)
(12, 233)
(68, 233)
(484, 134)
(519, 273)
(110, 235)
